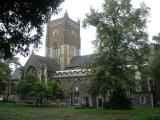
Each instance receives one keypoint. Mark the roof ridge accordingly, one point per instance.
(44, 57)
(35, 59)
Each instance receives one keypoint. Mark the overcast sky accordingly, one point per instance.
(78, 8)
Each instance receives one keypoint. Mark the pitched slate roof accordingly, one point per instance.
(17, 74)
(79, 61)
(36, 60)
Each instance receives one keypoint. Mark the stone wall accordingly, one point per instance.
(63, 40)
(142, 99)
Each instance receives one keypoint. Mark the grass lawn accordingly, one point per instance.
(27, 112)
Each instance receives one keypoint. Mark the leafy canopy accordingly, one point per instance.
(5, 74)
(155, 65)
(21, 24)
(121, 43)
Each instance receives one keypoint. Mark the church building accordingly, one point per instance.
(64, 63)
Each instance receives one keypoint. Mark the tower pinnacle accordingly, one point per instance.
(66, 14)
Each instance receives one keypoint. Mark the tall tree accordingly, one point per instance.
(5, 74)
(156, 39)
(21, 24)
(155, 68)
(121, 41)
(155, 75)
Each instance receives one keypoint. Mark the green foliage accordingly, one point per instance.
(155, 75)
(155, 66)
(121, 43)
(119, 100)
(56, 90)
(5, 74)
(39, 91)
(156, 38)
(23, 87)
(31, 79)
(22, 24)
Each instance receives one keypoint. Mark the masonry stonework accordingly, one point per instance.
(63, 63)
(63, 40)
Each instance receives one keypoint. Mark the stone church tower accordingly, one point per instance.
(63, 40)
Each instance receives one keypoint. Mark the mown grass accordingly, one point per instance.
(29, 112)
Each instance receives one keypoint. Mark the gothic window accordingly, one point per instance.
(142, 99)
(13, 88)
(31, 70)
(76, 97)
(77, 88)
(55, 52)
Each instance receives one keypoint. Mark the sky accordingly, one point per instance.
(77, 9)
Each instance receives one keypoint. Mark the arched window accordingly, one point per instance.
(55, 50)
(76, 97)
(13, 88)
(31, 70)
(77, 89)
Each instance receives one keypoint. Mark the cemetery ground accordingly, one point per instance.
(11, 111)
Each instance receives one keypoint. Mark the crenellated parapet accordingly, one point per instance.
(72, 73)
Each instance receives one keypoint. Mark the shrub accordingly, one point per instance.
(119, 100)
